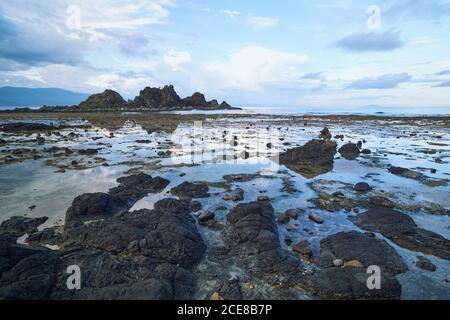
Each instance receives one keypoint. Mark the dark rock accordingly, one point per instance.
(156, 98)
(40, 140)
(403, 231)
(237, 194)
(92, 206)
(350, 282)
(2, 142)
(263, 199)
(198, 101)
(166, 235)
(380, 201)
(175, 205)
(397, 170)
(315, 218)
(366, 151)
(87, 151)
(123, 278)
(362, 187)
(293, 213)
(135, 187)
(25, 127)
(230, 290)
(314, 158)
(106, 100)
(225, 105)
(325, 134)
(425, 264)
(303, 248)
(205, 217)
(196, 206)
(349, 151)
(188, 190)
(251, 235)
(26, 273)
(46, 236)
(17, 226)
(287, 240)
(354, 245)
(283, 218)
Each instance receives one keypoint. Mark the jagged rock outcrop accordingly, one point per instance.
(197, 100)
(156, 98)
(151, 98)
(106, 100)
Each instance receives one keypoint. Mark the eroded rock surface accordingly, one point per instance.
(355, 252)
(314, 158)
(251, 235)
(403, 231)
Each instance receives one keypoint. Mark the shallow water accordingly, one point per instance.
(206, 153)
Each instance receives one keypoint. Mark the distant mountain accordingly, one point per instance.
(31, 97)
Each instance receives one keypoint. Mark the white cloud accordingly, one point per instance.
(176, 58)
(231, 13)
(252, 67)
(260, 23)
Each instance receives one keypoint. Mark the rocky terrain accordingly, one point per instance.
(146, 216)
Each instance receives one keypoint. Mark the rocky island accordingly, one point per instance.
(149, 99)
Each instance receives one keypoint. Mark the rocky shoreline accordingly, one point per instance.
(220, 239)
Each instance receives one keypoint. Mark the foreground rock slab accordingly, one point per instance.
(345, 258)
(403, 231)
(146, 254)
(252, 236)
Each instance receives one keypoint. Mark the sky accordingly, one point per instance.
(332, 53)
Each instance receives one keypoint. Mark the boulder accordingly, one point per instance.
(314, 158)
(188, 190)
(237, 194)
(349, 151)
(425, 264)
(403, 231)
(344, 274)
(362, 187)
(325, 134)
(251, 235)
(380, 201)
(17, 226)
(93, 206)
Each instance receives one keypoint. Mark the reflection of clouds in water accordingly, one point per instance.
(53, 193)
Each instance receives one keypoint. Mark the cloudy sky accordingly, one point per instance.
(251, 53)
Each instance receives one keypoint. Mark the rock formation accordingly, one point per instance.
(106, 100)
(156, 99)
